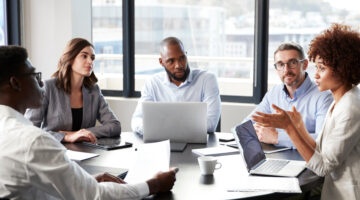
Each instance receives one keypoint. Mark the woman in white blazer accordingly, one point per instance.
(336, 152)
(73, 101)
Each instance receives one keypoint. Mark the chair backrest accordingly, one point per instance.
(218, 127)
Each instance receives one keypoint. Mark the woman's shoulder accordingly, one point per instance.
(349, 102)
(93, 88)
(50, 82)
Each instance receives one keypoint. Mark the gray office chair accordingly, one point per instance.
(218, 127)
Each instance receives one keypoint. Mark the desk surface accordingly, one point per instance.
(189, 182)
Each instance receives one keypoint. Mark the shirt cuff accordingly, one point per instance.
(314, 164)
(57, 135)
(284, 139)
(143, 189)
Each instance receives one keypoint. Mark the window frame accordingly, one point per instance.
(260, 57)
(13, 23)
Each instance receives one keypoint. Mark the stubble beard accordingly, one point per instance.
(181, 79)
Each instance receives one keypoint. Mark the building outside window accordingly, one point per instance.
(218, 36)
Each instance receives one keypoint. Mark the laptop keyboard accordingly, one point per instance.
(272, 166)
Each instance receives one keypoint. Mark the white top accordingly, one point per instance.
(337, 153)
(34, 166)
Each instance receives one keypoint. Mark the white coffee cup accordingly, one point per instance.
(208, 164)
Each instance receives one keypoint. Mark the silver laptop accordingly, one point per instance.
(255, 159)
(182, 122)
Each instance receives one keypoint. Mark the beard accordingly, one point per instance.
(181, 79)
(294, 82)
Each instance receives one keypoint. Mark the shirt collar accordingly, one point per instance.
(189, 79)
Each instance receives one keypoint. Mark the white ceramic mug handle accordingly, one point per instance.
(218, 165)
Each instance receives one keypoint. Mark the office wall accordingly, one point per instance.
(49, 24)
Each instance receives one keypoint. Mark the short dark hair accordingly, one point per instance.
(339, 47)
(291, 46)
(12, 58)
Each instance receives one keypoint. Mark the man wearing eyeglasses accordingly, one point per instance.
(297, 89)
(34, 164)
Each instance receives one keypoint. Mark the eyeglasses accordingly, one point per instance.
(292, 63)
(36, 74)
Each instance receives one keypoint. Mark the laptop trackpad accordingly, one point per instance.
(177, 146)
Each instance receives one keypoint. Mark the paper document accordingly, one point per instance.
(215, 151)
(151, 158)
(265, 183)
(79, 156)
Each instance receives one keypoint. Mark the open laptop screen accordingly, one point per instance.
(250, 144)
(184, 122)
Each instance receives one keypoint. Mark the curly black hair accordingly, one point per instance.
(339, 47)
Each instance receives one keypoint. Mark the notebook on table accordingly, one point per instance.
(255, 159)
(180, 122)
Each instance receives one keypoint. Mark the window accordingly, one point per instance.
(219, 36)
(107, 40)
(304, 19)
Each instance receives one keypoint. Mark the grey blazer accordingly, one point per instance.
(55, 113)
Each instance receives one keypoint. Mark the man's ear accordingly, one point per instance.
(161, 62)
(15, 83)
(305, 64)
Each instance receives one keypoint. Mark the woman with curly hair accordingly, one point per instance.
(73, 101)
(336, 152)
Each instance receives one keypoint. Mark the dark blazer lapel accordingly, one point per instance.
(66, 109)
(87, 108)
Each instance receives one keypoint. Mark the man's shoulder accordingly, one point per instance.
(36, 136)
(314, 92)
(203, 74)
(276, 88)
(158, 77)
(22, 129)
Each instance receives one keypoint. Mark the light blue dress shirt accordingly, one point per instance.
(308, 100)
(200, 86)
